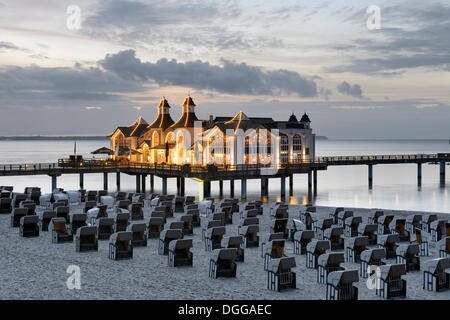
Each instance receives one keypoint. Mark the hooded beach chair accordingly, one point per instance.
(280, 226)
(408, 255)
(342, 215)
(321, 225)
(178, 204)
(370, 231)
(335, 236)
(101, 193)
(301, 240)
(436, 274)
(120, 246)
(60, 233)
(250, 234)
(374, 216)
(180, 253)
(18, 198)
(444, 247)
(47, 216)
(293, 226)
(218, 216)
(136, 211)
(427, 220)
(422, 240)
(121, 222)
(91, 195)
(122, 204)
(191, 206)
(413, 222)
(139, 234)
(274, 249)
(30, 205)
(309, 219)
(179, 225)
(279, 274)
(252, 213)
(189, 200)
(398, 226)
(439, 229)
(195, 217)
(328, 262)
(35, 195)
(187, 221)
(158, 214)
(390, 284)
(29, 226)
(213, 238)
(210, 224)
(105, 228)
(165, 210)
(165, 237)
(5, 205)
(281, 213)
(155, 226)
(351, 226)
(45, 201)
(119, 195)
(236, 242)
(249, 221)
(354, 246)
(371, 257)
(169, 208)
(388, 242)
(89, 205)
(17, 214)
(222, 263)
(74, 198)
(86, 239)
(334, 214)
(77, 220)
(383, 224)
(340, 285)
(63, 212)
(228, 212)
(313, 250)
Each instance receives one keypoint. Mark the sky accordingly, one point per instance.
(86, 67)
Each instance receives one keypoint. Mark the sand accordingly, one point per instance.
(35, 268)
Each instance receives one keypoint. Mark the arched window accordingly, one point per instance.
(155, 139)
(180, 148)
(297, 148)
(284, 149)
(170, 138)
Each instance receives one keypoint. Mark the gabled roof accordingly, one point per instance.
(239, 121)
(134, 130)
(305, 118)
(147, 142)
(164, 120)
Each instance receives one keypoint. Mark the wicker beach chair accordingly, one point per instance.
(18, 198)
(351, 226)
(213, 238)
(301, 241)
(427, 220)
(342, 215)
(334, 214)
(274, 249)
(328, 262)
(228, 211)
(210, 224)
(158, 214)
(29, 226)
(371, 257)
(139, 234)
(250, 234)
(236, 242)
(436, 275)
(88, 205)
(383, 224)
(188, 200)
(391, 285)
(178, 204)
(47, 216)
(30, 205)
(370, 231)
(340, 285)
(398, 226)
(5, 205)
(86, 239)
(187, 221)
(222, 263)
(63, 212)
(121, 221)
(293, 226)
(439, 229)
(280, 226)
(408, 255)
(136, 211)
(180, 253)
(195, 217)
(77, 220)
(165, 237)
(155, 226)
(105, 228)
(413, 222)
(374, 216)
(313, 250)
(279, 274)
(444, 247)
(91, 195)
(60, 233)
(120, 246)
(353, 248)
(389, 242)
(249, 221)
(335, 236)
(120, 196)
(321, 225)
(422, 240)
(17, 214)
(179, 225)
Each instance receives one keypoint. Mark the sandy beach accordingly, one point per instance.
(34, 268)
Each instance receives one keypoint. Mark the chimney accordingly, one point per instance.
(211, 121)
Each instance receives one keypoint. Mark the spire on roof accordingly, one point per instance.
(305, 118)
(139, 121)
(188, 102)
(292, 118)
(164, 103)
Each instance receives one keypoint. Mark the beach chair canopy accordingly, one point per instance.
(356, 242)
(78, 217)
(435, 266)
(105, 222)
(330, 259)
(303, 235)
(282, 265)
(214, 223)
(373, 254)
(121, 237)
(333, 232)
(250, 229)
(392, 271)
(186, 218)
(58, 224)
(86, 231)
(414, 218)
(324, 223)
(375, 214)
(338, 278)
(180, 244)
(269, 246)
(156, 221)
(407, 249)
(233, 241)
(223, 254)
(171, 234)
(215, 231)
(20, 211)
(388, 239)
(29, 220)
(176, 225)
(438, 224)
(276, 236)
(428, 218)
(137, 227)
(444, 244)
(367, 228)
(298, 225)
(318, 245)
(353, 220)
(345, 214)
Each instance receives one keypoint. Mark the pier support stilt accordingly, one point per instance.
(231, 188)
(264, 189)
(419, 174)
(244, 189)
(315, 182)
(291, 185)
(164, 185)
(310, 185)
(221, 189)
(182, 186)
(152, 183)
(370, 176)
(54, 185)
(204, 190)
(81, 181)
(442, 174)
(118, 181)
(105, 181)
(178, 186)
(283, 189)
(143, 183)
(138, 183)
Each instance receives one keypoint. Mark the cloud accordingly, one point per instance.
(230, 77)
(427, 105)
(357, 107)
(351, 90)
(93, 108)
(137, 108)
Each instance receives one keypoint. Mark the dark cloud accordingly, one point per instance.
(230, 78)
(351, 90)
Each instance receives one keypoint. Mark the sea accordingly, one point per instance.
(394, 185)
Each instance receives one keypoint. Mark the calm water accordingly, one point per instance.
(394, 186)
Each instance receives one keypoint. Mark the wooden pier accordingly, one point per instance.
(206, 174)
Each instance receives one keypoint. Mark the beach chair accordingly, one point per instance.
(444, 247)
(35, 195)
(5, 205)
(187, 222)
(29, 226)
(121, 222)
(101, 193)
(169, 209)
(83, 195)
(250, 234)
(353, 248)
(165, 237)
(191, 206)
(60, 233)
(178, 204)
(391, 285)
(136, 211)
(195, 217)
(237, 243)
(120, 246)
(18, 198)
(280, 226)
(57, 204)
(439, 229)
(227, 210)
(158, 214)
(309, 219)
(122, 204)
(86, 239)
(293, 226)
(327, 263)
(427, 220)
(351, 226)
(340, 285)
(258, 206)
(274, 249)
(155, 226)
(413, 222)
(139, 234)
(63, 212)
(275, 205)
(180, 253)
(219, 216)
(383, 224)
(436, 275)
(222, 263)
(30, 205)
(370, 231)
(17, 214)
(279, 274)
(374, 216)
(165, 210)
(281, 213)
(91, 195)
(74, 198)
(335, 236)
(420, 239)
(210, 224)
(105, 228)
(342, 215)
(188, 200)
(313, 250)
(334, 214)
(45, 220)
(45, 201)
(120, 196)
(408, 255)
(77, 220)
(398, 226)
(389, 242)
(301, 240)
(249, 221)
(89, 205)
(321, 225)
(371, 257)
(213, 238)
(179, 225)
